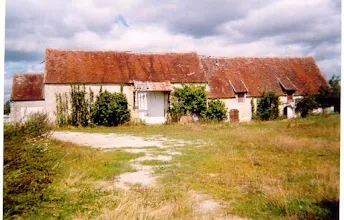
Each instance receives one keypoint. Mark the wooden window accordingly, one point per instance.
(241, 97)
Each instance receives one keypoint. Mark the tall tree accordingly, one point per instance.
(7, 108)
(328, 97)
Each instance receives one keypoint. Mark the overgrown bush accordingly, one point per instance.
(306, 104)
(28, 163)
(12, 131)
(328, 97)
(216, 110)
(36, 124)
(110, 109)
(267, 107)
(28, 169)
(7, 108)
(190, 99)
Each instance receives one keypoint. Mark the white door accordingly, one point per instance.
(151, 107)
(142, 104)
(156, 112)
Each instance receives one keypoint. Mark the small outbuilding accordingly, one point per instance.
(27, 95)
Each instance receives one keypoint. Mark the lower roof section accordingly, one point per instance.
(27, 87)
(152, 86)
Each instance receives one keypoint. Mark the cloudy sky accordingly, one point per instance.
(209, 27)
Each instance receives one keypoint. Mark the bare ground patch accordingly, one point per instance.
(202, 206)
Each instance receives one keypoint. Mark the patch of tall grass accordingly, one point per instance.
(50, 179)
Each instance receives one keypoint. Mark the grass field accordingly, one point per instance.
(260, 170)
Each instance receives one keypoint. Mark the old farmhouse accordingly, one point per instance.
(147, 80)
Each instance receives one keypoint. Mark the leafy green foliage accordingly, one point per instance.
(253, 110)
(190, 99)
(7, 108)
(62, 111)
(306, 104)
(328, 97)
(27, 166)
(37, 124)
(325, 98)
(216, 110)
(80, 111)
(110, 109)
(28, 170)
(267, 107)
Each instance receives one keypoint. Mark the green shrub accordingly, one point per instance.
(37, 124)
(267, 107)
(12, 131)
(110, 109)
(7, 108)
(306, 104)
(216, 110)
(190, 99)
(328, 97)
(28, 169)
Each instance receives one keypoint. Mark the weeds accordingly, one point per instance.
(273, 169)
(261, 170)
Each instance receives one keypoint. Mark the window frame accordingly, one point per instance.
(241, 99)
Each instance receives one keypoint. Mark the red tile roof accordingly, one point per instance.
(225, 76)
(259, 75)
(27, 87)
(286, 83)
(76, 66)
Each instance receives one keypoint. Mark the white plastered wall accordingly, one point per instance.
(21, 109)
(245, 112)
(51, 90)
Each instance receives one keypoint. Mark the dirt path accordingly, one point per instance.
(155, 148)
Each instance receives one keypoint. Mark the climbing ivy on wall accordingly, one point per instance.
(267, 107)
(253, 109)
(80, 111)
(62, 113)
(107, 109)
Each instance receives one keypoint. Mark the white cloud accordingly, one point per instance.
(330, 67)
(218, 28)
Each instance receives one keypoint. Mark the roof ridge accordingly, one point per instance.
(253, 57)
(28, 73)
(119, 51)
